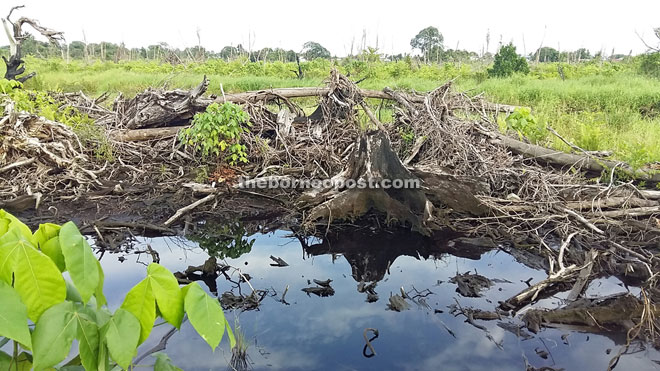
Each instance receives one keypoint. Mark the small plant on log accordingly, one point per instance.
(218, 131)
(34, 289)
(525, 124)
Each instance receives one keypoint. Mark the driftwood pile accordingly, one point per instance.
(582, 215)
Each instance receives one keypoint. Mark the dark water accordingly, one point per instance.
(326, 333)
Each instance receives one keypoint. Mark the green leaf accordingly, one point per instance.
(122, 334)
(100, 297)
(230, 335)
(53, 335)
(72, 293)
(13, 316)
(88, 338)
(15, 223)
(5, 359)
(47, 239)
(164, 363)
(4, 225)
(167, 293)
(80, 260)
(53, 250)
(36, 278)
(46, 232)
(23, 362)
(205, 315)
(140, 301)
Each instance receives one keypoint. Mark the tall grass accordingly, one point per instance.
(620, 113)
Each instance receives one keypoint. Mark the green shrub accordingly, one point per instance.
(507, 62)
(650, 64)
(218, 131)
(522, 122)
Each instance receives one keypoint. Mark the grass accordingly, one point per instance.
(600, 106)
(620, 113)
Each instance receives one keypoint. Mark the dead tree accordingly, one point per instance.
(16, 36)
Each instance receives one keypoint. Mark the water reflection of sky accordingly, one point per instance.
(327, 333)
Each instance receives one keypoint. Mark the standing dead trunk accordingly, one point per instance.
(373, 180)
(16, 35)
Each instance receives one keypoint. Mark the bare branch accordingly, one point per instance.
(657, 33)
(12, 10)
(53, 36)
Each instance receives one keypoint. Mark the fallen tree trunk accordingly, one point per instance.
(139, 135)
(559, 158)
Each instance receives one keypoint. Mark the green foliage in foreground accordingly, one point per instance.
(217, 131)
(33, 289)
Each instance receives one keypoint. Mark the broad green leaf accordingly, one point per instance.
(100, 298)
(53, 335)
(4, 225)
(53, 250)
(103, 316)
(88, 341)
(104, 359)
(5, 359)
(140, 301)
(205, 315)
(15, 223)
(167, 293)
(46, 232)
(36, 278)
(80, 260)
(72, 293)
(122, 334)
(8, 247)
(13, 316)
(164, 363)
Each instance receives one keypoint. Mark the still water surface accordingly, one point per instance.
(326, 333)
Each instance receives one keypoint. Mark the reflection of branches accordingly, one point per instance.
(470, 319)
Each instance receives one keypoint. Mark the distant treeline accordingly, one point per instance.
(107, 51)
(429, 43)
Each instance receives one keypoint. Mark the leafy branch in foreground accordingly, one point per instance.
(33, 289)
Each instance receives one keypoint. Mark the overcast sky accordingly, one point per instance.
(562, 24)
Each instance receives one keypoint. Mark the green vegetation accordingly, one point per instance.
(43, 104)
(650, 64)
(525, 124)
(51, 279)
(218, 130)
(508, 62)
